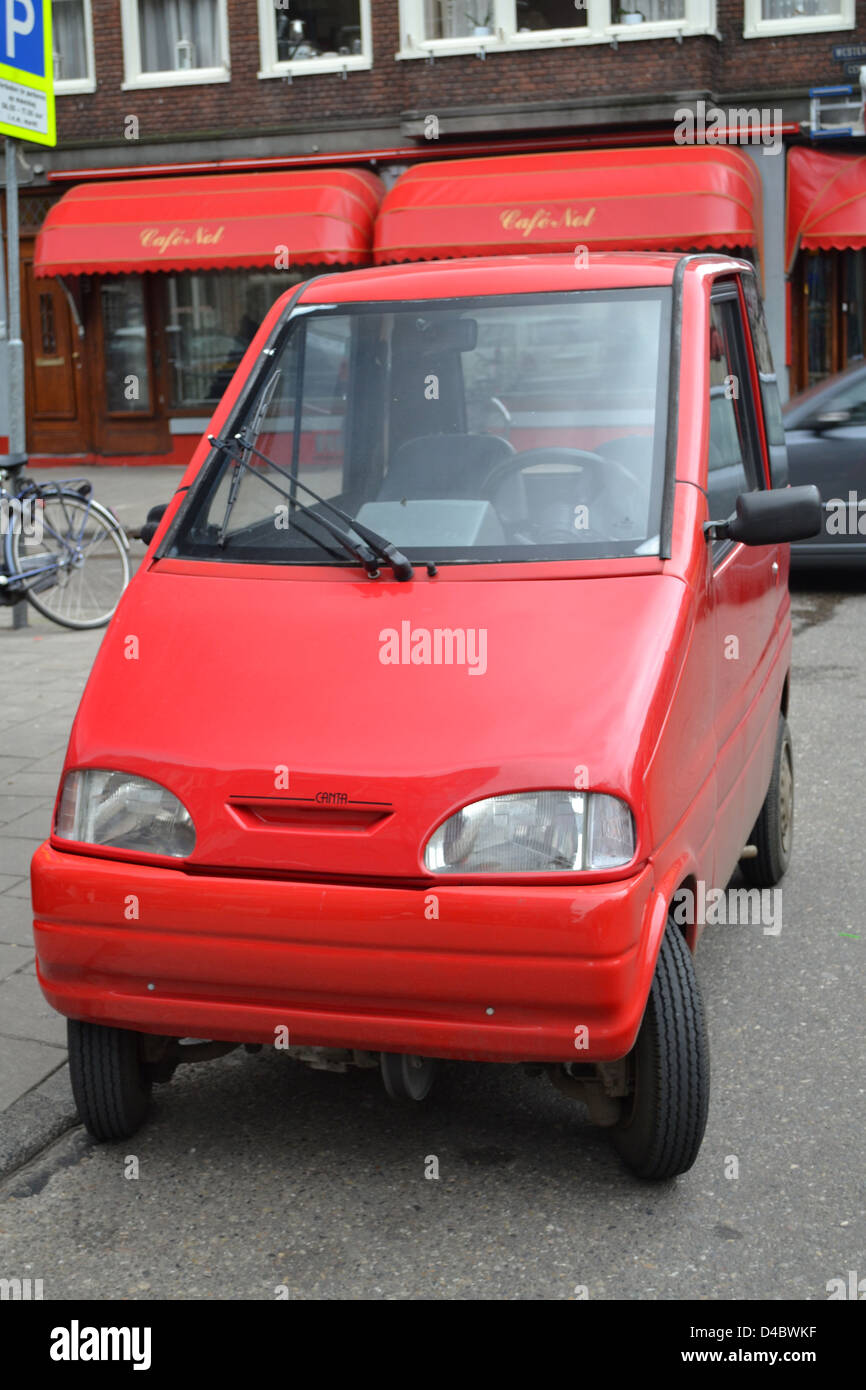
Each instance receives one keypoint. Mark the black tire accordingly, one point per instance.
(109, 1081)
(407, 1078)
(773, 831)
(664, 1118)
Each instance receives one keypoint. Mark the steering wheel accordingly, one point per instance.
(577, 460)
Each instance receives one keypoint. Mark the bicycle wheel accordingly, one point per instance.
(77, 570)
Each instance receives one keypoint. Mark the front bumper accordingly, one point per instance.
(498, 974)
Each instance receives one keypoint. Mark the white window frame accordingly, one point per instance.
(755, 27)
(81, 84)
(308, 67)
(135, 79)
(699, 18)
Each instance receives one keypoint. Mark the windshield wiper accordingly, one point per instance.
(373, 548)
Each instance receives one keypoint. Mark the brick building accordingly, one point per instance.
(282, 123)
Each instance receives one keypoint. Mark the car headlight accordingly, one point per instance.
(120, 811)
(534, 832)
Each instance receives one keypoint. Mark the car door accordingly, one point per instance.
(828, 448)
(748, 587)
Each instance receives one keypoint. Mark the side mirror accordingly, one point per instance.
(771, 518)
(830, 419)
(151, 525)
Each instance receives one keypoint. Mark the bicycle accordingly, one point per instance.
(67, 554)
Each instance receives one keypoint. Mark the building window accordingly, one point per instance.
(438, 28)
(72, 33)
(302, 37)
(211, 317)
(765, 18)
(174, 41)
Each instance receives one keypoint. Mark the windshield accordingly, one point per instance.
(523, 428)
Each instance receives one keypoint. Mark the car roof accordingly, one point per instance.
(502, 275)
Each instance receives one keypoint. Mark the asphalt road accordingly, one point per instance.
(256, 1174)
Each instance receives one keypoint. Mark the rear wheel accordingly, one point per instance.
(110, 1081)
(78, 566)
(664, 1117)
(407, 1078)
(773, 832)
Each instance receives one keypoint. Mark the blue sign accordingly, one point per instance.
(26, 71)
(22, 36)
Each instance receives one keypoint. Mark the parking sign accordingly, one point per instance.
(27, 71)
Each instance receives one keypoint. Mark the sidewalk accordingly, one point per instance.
(43, 670)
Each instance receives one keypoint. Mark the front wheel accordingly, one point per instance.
(110, 1082)
(664, 1117)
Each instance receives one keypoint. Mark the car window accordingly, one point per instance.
(773, 423)
(853, 398)
(515, 427)
(734, 458)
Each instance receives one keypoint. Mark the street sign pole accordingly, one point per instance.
(27, 112)
(3, 327)
(15, 346)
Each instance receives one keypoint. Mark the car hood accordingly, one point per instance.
(318, 727)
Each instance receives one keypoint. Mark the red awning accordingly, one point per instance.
(211, 222)
(675, 198)
(826, 203)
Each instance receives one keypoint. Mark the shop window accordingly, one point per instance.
(72, 34)
(310, 36)
(168, 41)
(764, 18)
(854, 304)
(820, 301)
(829, 314)
(441, 27)
(211, 317)
(126, 349)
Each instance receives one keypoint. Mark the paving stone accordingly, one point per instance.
(23, 1065)
(16, 921)
(24, 1012)
(12, 958)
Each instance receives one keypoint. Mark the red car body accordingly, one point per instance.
(311, 909)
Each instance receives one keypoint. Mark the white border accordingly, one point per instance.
(81, 84)
(135, 79)
(308, 67)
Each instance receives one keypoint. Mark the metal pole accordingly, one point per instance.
(17, 430)
(10, 333)
(3, 325)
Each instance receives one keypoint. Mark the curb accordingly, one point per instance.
(36, 1120)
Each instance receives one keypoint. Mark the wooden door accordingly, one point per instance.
(129, 413)
(58, 417)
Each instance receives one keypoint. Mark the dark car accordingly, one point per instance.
(825, 430)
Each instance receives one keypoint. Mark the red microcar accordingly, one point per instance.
(458, 662)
